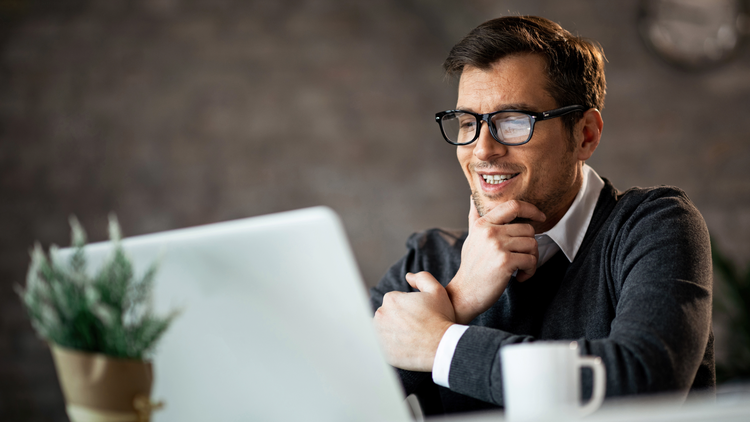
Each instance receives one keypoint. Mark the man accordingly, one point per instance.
(553, 251)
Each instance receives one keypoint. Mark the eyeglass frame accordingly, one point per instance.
(545, 115)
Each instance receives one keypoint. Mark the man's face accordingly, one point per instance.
(544, 171)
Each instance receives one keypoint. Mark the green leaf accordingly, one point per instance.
(108, 313)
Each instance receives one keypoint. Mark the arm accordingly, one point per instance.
(657, 277)
(410, 325)
(663, 321)
(497, 246)
(436, 251)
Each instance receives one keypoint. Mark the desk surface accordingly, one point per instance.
(731, 404)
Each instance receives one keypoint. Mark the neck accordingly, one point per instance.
(562, 204)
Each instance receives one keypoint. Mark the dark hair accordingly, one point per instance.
(575, 66)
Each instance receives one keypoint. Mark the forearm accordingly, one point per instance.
(635, 364)
(468, 301)
(655, 339)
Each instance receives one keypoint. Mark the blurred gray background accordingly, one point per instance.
(173, 113)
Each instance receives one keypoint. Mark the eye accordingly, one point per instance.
(513, 128)
(468, 123)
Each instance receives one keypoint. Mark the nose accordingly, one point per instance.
(486, 148)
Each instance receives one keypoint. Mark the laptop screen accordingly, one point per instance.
(274, 324)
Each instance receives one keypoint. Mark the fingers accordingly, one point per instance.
(523, 276)
(524, 245)
(526, 265)
(508, 211)
(519, 230)
(411, 325)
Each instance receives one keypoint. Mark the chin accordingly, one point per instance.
(483, 204)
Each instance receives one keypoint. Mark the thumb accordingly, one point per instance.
(422, 281)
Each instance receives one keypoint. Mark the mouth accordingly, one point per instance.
(496, 179)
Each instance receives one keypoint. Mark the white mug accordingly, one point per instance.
(542, 380)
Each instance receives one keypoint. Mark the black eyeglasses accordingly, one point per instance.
(509, 127)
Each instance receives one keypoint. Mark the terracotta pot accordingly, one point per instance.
(102, 388)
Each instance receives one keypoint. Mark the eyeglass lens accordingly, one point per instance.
(511, 128)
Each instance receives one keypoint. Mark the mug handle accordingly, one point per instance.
(600, 384)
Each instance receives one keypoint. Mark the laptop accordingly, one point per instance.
(275, 323)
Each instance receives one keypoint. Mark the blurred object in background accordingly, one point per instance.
(174, 113)
(694, 34)
(732, 303)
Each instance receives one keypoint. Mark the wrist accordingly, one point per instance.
(444, 355)
(463, 310)
(427, 361)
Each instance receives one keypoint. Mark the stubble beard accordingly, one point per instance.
(545, 203)
(477, 198)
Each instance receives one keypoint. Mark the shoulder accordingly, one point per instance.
(657, 206)
(638, 195)
(659, 219)
(640, 209)
(437, 239)
(654, 236)
(437, 251)
(660, 226)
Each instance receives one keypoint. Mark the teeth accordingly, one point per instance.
(494, 179)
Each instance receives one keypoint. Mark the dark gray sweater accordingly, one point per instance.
(638, 294)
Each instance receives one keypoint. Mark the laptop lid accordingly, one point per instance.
(275, 322)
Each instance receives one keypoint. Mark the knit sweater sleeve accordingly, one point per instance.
(662, 273)
(653, 259)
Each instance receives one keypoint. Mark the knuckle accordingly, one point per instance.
(531, 243)
(380, 315)
(533, 260)
(513, 205)
(504, 260)
(496, 243)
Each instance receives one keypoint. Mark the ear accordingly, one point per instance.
(588, 133)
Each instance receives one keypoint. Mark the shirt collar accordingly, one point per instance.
(568, 233)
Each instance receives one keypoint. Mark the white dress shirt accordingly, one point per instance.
(567, 235)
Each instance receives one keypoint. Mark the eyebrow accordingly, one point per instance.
(511, 106)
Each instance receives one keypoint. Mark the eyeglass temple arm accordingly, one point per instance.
(561, 111)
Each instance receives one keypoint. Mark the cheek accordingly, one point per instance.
(464, 160)
(462, 152)
(537, 164)
(464, 155)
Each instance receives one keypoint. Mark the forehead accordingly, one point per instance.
(511, 82)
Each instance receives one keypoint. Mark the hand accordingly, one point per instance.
(411, 325)
(494, 249)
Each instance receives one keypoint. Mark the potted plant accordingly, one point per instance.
(101, 329)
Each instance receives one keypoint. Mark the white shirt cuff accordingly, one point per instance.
(441, 367)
